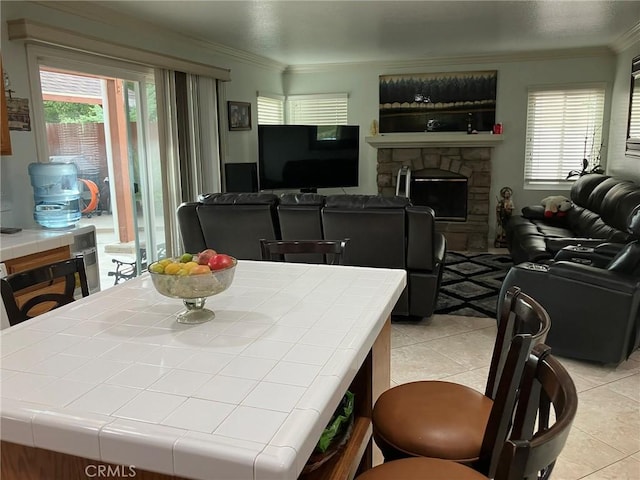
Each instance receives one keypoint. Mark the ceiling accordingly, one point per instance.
(314, 31)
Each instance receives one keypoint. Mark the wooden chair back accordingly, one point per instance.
(524, 323)
(21, 283)
(520, 314)
(533, 446)
(279, 250)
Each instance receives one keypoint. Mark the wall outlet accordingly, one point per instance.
(3, 270)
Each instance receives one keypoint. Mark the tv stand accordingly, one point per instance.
(308, 190)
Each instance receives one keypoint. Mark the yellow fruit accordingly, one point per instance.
(199, 270)
(165, 261)
(189, 265)
(157, 268)
(172, 268)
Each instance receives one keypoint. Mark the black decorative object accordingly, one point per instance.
(239, 115)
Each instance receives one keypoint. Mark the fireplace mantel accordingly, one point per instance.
(433, 139)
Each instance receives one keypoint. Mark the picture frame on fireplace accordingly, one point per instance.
(438, 102)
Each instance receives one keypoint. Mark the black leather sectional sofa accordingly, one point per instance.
(602, 208)
(383, 232)
(584, 269)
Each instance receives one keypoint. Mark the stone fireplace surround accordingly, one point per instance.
(472, 161)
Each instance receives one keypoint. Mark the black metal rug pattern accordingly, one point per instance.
(471, 283)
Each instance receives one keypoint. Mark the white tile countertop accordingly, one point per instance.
(113, 376)
(26, 242)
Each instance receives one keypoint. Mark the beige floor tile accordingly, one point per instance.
(420, 362)
(582, 455)
(627, 469)
(476, 378)
(610, 417)
(636, 456)
(599, 374)
(628, 386)
(438, 326)
(470, 349)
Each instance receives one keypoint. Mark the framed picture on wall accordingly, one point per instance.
(239, 115)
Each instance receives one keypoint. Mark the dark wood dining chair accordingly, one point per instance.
(327, 251)
(451, 421)
(33, 292)
(532, 447)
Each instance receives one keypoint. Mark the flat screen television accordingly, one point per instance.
(308, 157)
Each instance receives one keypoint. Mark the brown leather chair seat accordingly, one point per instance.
(449, 425)
(416, 469)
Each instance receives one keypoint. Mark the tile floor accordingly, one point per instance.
(604, 443)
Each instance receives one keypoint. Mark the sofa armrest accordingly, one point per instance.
(576, 272)
(425, 247)
(557, 244)
(533, 212)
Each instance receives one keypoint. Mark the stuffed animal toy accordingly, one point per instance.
(556, 206)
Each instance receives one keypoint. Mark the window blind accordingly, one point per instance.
(634, 116)
(270, 110)
(321, 109)
(563, 127)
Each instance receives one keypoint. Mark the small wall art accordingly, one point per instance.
(438, 102)
(239, 115)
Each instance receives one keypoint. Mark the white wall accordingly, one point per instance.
(514, 77)
(247, 77)
(618, 163)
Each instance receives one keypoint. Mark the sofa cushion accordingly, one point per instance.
(619, 203)
(582, 188)
(310, 199)
(238, 199)
(366, 201)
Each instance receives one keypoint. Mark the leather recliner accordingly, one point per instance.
(593, 301)
(232, 222)
(388, 232)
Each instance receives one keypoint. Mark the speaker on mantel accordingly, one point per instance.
(241, 177)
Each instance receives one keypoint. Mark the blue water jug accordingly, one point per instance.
(56, 194)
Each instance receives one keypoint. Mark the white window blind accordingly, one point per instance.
(634, 115)
(270, 110)
(321, 109)
(563, 127)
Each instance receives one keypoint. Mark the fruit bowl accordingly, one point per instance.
(193, 290)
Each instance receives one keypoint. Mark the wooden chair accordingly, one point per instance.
(531, 450)
(277, 250)
(32, 292)
(454, 422)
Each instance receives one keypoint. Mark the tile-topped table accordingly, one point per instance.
(114, 378)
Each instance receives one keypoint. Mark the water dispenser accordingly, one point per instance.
(56, 194)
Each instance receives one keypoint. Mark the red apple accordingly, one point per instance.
(220, 261)
(205, 255)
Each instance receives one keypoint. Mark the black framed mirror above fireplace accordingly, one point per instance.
(444, 191)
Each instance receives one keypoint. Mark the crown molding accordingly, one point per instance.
(456, 60)
(112, 18)
(627, 39)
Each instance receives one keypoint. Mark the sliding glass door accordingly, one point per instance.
(102, 116)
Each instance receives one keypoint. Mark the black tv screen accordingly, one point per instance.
(307, 156)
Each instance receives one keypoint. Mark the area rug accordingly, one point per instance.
(471, 283)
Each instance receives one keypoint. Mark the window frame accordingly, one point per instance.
(596, 133)
(632, 145)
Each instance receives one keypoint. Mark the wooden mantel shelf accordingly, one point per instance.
(429, 139)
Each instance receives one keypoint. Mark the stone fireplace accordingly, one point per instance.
(428, 155)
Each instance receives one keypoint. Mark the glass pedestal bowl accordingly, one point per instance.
(194, 290)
